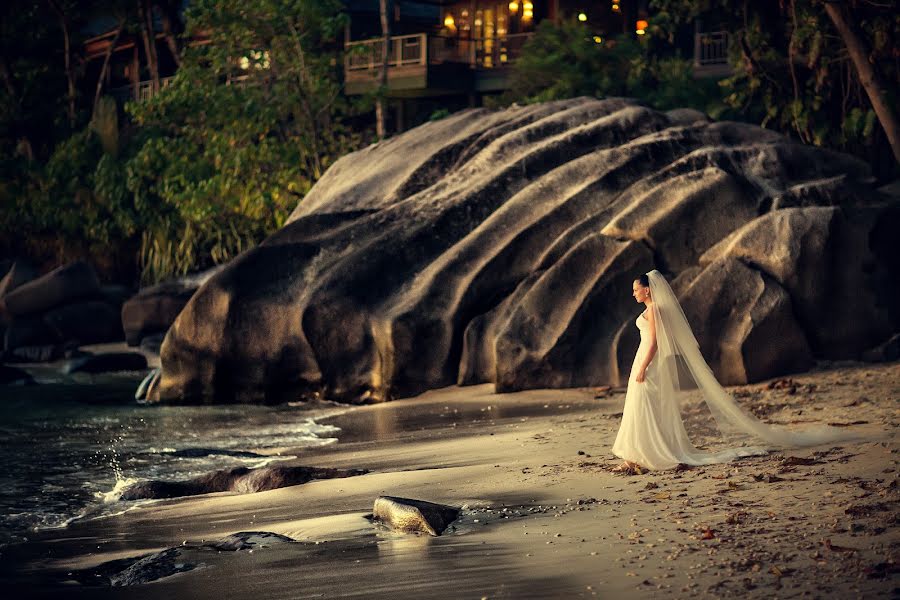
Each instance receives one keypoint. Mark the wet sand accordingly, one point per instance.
(543, 517)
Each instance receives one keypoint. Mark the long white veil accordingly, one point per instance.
(682, 371)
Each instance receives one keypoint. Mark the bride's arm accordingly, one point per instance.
(651, 352)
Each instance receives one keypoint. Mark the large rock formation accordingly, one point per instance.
(500, 246)
(48, 315)
(153, 309)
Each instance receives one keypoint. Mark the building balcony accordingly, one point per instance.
(711, 54)
(424, 64)
(144, 90)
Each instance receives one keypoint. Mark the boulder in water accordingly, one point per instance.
(247, 540)
(153, 567)
(171, 561)
(406, 514)
(238, 479)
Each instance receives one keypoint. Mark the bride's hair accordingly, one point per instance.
(643, 279)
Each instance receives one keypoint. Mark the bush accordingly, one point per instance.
(564, 61)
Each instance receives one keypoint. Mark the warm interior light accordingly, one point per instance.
(598, 39)
(513, 7)
(448, 21)
(642, 24)
(615, 7)
(528, 5)
(582, 17)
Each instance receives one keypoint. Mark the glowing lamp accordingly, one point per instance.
(582, 17)
(615, 7)
(641, 27)
(598, 39)
(448, 21)
(513, 7)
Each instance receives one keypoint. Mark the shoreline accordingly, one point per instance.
(756, 526)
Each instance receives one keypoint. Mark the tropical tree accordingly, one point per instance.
(825, 72)
(251, 120)
(386, 10)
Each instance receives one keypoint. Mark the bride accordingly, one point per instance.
(667, 366)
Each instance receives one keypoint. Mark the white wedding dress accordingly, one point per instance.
(652, 433)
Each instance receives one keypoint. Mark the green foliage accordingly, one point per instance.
(209, 166)
(249, 123)
(564, 61)
(439, 114)
(792, 71)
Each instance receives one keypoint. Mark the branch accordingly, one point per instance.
(791, 53)
(109, 51)
(868, 77)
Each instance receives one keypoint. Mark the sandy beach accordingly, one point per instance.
(543, 517)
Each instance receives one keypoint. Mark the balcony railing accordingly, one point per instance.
(144, 90)
(402, 50)
(422, 49)
(711, 48)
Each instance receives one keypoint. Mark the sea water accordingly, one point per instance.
(68, 450)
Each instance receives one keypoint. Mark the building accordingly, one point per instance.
(442, 54)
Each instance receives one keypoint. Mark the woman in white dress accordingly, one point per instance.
(667, 365)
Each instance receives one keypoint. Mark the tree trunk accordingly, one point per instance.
(18, 128)
(386, 8)
(868, 77)
(135, 72)
(145, 15)
(105, 67)
(169, 32)
(70, 73)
